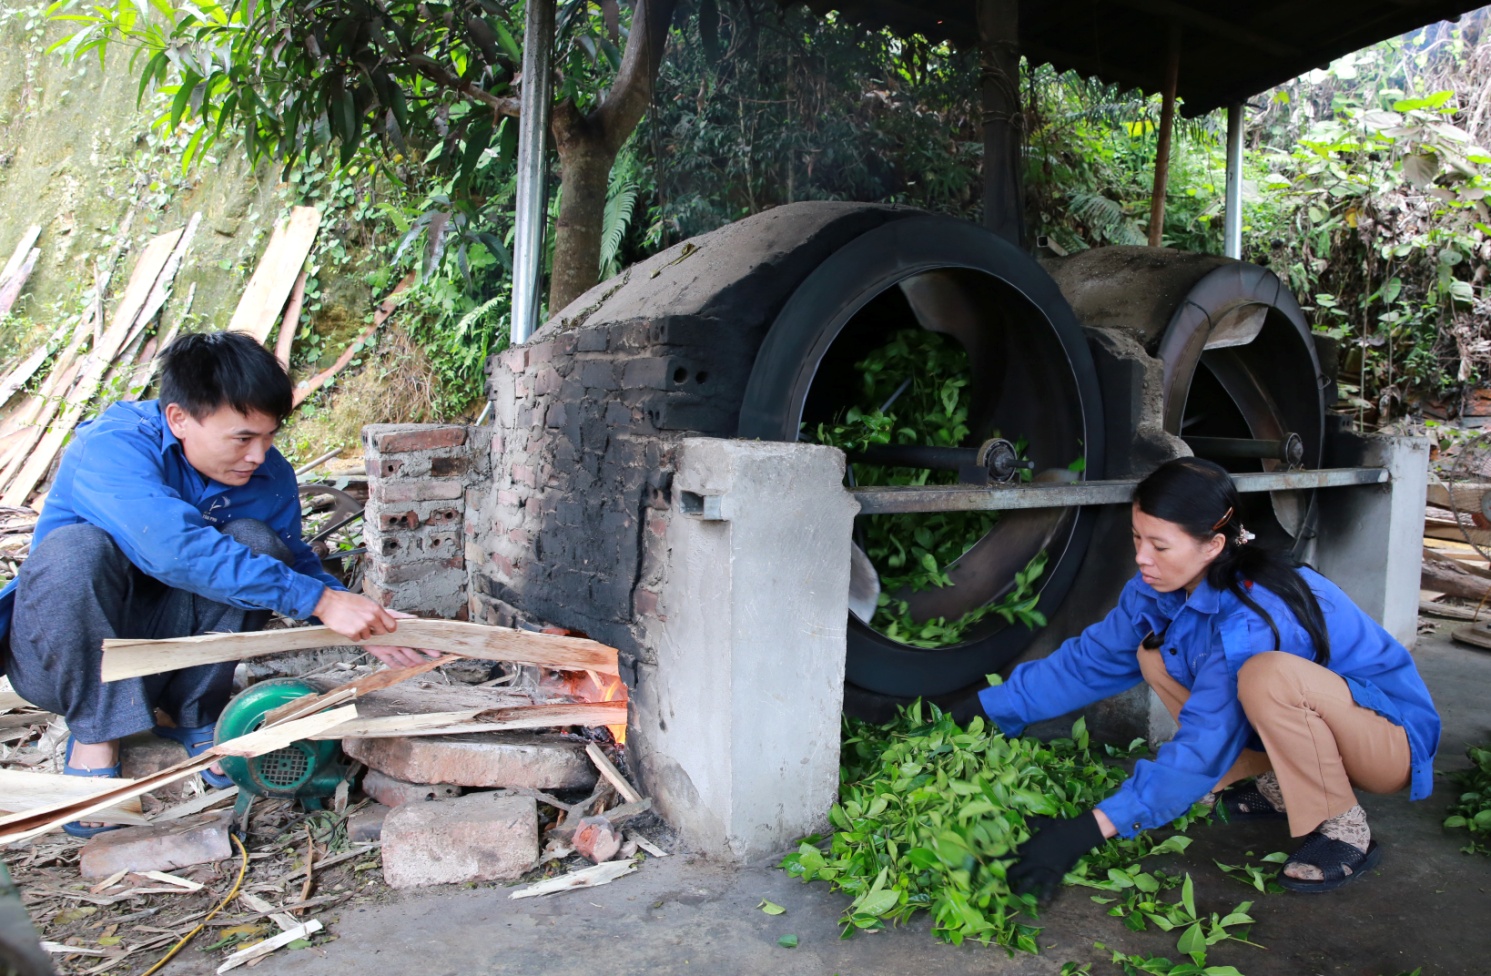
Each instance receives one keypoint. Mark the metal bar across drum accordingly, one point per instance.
(963, 498)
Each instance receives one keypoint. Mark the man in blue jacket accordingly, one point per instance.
(170, 518)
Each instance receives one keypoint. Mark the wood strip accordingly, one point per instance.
(261, 949)
(135, 658)
(465, 721)
(161, 256)
(10, 288)
(385, 309)
(21, 375)
(290, 244)
(33, 823)
(612, 774)
(591, 877)
(376, 681)
(22, 791)
(290, 323)
(1451, 532)
(197, 804)
(18, 256)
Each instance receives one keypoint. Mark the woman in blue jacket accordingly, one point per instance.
(1278, 682)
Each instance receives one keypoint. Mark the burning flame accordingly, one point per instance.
(587, 686)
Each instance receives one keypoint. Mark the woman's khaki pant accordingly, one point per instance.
(1318, 741)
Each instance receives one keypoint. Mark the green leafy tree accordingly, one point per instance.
(430, 81)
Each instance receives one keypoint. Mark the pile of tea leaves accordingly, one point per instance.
(930, 813)
(915, 389)
(1472, 811)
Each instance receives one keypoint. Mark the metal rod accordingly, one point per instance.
(1232, 222)
(533, 127)
(917, 456)
(1162, 148)
(1291, 449)
(959, 498)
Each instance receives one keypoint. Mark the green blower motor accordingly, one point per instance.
(308, 771)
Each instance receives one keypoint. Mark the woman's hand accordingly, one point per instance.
(400, 657)
(1053, 849)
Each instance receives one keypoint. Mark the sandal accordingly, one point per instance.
(1234, 799)
(76, 829)
(1332, 857)
(196, 741)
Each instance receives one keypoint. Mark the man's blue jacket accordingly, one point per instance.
(126, 473)
(1207, 639)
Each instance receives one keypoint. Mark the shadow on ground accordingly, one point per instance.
(1427, 905)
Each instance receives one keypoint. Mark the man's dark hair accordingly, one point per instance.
(202, 372)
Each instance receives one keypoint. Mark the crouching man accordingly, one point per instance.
(170, 518)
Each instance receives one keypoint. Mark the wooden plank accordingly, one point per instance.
(198, 803)
(33, 823)
(135, 658)
(591, 877)
(26, 368)
(464, 721)
(24, 248)
(376, 681)
(385, 309)
(290, 244)
(162, 256)
(290, 323)
(10, 288)
(1462, 495)
(612, 774)
(21, 791)
(266, 740)
(1435, 528)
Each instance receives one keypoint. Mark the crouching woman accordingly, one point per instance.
(1288, 697)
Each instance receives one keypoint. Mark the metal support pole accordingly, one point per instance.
(532, 200)
(1232, 222)
(1004, 135)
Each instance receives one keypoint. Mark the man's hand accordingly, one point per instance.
(358, 618)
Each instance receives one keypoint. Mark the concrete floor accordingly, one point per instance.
(1427, 906)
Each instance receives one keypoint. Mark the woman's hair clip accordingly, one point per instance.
(1223, 520)
(1244, 536)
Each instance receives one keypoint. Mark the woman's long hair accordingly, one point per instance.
(1199, 496)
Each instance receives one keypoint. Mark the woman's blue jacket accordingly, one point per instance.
(1207, 638)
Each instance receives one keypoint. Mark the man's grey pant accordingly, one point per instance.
(78, 588)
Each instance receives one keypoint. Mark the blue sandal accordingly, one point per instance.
(196, 741)
(75, 828)
(1333, 858)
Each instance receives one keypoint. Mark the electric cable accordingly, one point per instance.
(238, 882)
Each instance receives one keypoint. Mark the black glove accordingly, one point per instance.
(966, 708)
(1053, 849)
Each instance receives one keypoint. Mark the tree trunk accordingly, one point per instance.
(584, 175)
(588, 146)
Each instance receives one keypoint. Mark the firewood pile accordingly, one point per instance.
(1456, 576)
(494, 692)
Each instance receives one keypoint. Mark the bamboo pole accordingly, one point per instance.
(1162, 150)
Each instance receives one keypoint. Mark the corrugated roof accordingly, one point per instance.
(1229, 51)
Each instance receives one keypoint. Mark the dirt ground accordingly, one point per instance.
(1427, 906)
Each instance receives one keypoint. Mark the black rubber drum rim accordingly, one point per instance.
(788, 363)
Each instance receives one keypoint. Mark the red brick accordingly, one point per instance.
(419, 439)
(376, 593)
(443, 516)
(644, 603)
(410, 572)
(393, 792)
(192, 840)
(493, 759)
(507, 497)
(420, 490)
(366, 825)
(445, 467)
(395, 523)
(386, 468)
(597, 840)
(481, 837)
(524, 474)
